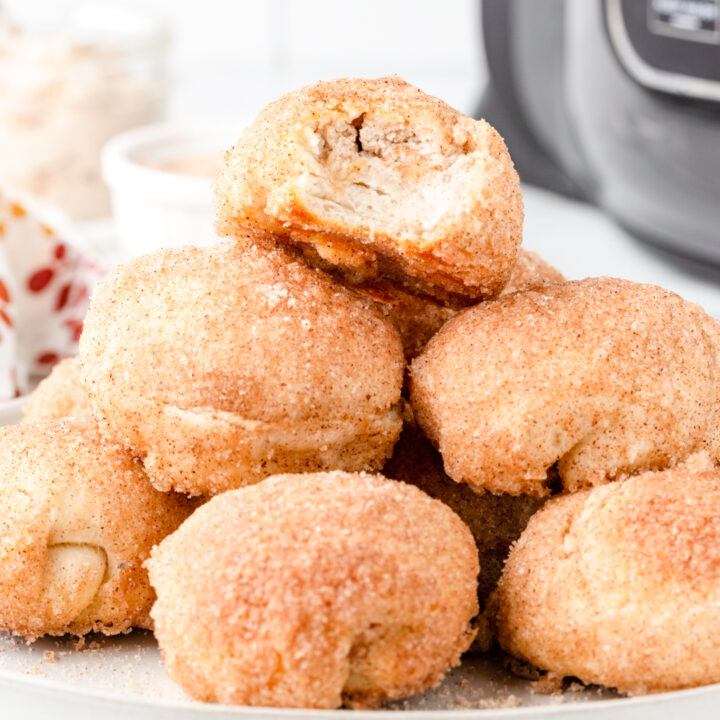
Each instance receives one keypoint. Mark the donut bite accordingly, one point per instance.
(619, 585)
(78, 518)
(315, 590)
(592, 379)
(373, 179)
(59, 395)
(495, 521)
(223, 365)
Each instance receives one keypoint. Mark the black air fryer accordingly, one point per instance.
(616, 102)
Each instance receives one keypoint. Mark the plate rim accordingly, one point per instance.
(196, 707)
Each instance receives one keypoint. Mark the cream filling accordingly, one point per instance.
(360, 180)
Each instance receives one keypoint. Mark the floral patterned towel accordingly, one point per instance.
(45, 284)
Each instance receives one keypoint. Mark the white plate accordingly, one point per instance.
(123, 677)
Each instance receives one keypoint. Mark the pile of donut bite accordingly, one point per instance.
(368, 432)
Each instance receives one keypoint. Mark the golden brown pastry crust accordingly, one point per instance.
(375, 179)
(495, 521)
(78, 518)
(313, 590)
(620, 585)
(59, 395)
(600, 376)
(220, 366)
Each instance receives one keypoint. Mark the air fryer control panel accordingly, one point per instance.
(691, 20)
(668, 45)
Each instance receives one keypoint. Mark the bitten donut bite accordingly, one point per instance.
(598, 377)
(620, 585)
(495, 521)
(59, 395)
(375, 179)
(223, 365)
(77, 520)
(315, 590)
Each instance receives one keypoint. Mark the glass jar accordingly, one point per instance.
(65, 91)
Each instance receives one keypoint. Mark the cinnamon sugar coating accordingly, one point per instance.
(495, 521)
(315, 590)
(598, 377)
(620, 585)
(374, 179)
(59, 395)
(78, 518)
(223, 365)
